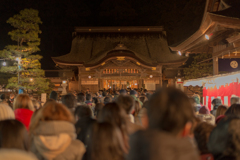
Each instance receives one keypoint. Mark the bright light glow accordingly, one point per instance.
(151, 76)
(64, 82)
(135, 84)
(89, 77)
(4, 64)
(31, 79)
(179, 79)
(179, 53)
(17, 59)
(207, 36)
(110, 87)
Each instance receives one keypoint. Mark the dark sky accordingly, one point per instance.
(59, 18)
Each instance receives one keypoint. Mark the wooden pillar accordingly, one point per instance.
(215, 66)
(160, 75)
(79, 79)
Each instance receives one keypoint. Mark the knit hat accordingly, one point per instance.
(53, 95)
(133, 92)
(204, 110)
(6, 112)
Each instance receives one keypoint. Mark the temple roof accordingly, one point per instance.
(231, 12)
(91, 46)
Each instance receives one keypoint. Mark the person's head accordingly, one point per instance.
(137, 108)
(82, 111)
(95, 100)
(104, 94)
(97, 109)
(51, 111)
(12, 96)
(106, 142)
(114, 114)
(107, 100)
(216, 102)
(88, 97)
(233, 110)
(69, 101)
(13, 135)
(80, 97)
(126, 102)
(234, 100)
(6, 112)
(134, 93)
(123, 92)
(224, 139)
(53, 95)
(170, 110)
(201, 135)
(221, 110)
(3, 97)
(23, 101)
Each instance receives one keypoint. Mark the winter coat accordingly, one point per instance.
(16, 154)
(82, 128)
(56, 140)
(153, 145)
(23, 115)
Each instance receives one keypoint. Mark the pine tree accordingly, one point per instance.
(201, 66)
(22, 55)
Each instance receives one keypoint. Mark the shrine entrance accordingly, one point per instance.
(120, 84)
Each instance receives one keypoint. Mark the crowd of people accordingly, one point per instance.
(118, 125)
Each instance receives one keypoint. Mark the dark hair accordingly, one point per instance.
(234, 110)
(113, 114)
(201, 135)
(3, 97)
(13, 135)
(143, 99)
(97, 109)
(169, 109)
(53, 95)
(83, 111)
(69, 100)
(107, 99)
(221, 110)
(126, 102)
(95, 100)
(88, 97)
(105, 142)
(80, 97)
(224, 139)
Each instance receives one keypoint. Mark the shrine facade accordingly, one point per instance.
(120, 57)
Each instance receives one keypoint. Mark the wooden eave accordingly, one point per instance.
(209, 25)
(130, 29)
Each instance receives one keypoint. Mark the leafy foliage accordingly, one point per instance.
(199, 68)
(25, 64)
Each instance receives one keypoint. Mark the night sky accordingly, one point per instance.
(179, 17)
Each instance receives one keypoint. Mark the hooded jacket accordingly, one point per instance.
(153, 144)
(56, 140)
(16, 154)
(23, 115)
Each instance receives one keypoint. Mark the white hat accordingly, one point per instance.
(6, 112)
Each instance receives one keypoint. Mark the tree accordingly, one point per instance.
(25, 63)
(201, 66)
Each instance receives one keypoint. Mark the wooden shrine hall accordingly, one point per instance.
(120, 57)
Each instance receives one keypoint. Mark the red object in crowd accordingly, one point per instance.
(223, 92)
(207, 157)
(219, 118)
(24, 116)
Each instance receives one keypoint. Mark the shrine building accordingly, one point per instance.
(120, 57)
